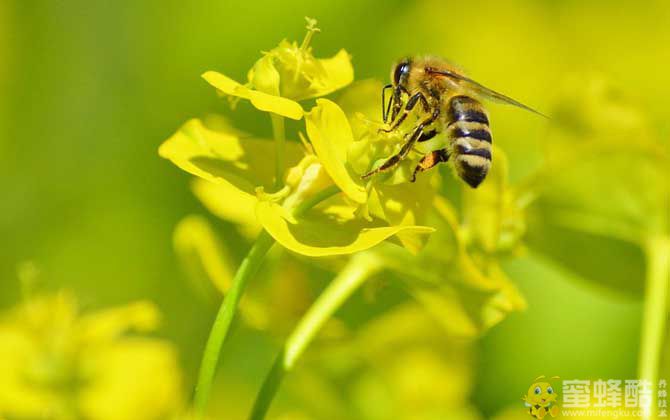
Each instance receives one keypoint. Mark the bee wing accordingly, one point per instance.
(482, 90)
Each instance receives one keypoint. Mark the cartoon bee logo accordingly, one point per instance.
(541, 399)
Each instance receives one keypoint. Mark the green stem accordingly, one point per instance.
(359, 269)
(279, 133)
(314, 200)
(224, 317)
(655, 313)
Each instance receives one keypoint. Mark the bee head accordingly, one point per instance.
(401, 71)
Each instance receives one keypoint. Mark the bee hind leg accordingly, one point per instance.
(430, 160)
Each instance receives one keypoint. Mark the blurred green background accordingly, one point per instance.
(90, 89)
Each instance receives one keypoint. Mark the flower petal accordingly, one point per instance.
(109, 324)
(132, 378)
(209, 266)
(221, 157)
(230, 204)
(466, 293)
(262, 101)
(319, 237)
(404, 204)
(202, 255)
(494, 205)
(467, 311)
(331, 135)
(265, 76)
(338, 73)
(360, 102)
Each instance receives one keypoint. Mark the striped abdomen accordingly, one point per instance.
(470, 139)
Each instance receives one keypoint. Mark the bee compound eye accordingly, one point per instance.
(538, 390)
(400, 70)
(550, 390)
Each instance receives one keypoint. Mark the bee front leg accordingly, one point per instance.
(406, 148)
(411, 103)
(386, 109)
(396, 101)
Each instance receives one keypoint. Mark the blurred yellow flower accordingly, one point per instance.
(398, 365)
(57, 363)
(604, 187)
(458, 277)
(286, 74)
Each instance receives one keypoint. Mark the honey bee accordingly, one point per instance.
(452, 104)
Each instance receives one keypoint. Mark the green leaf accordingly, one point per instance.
(611, 262)
(610, 204)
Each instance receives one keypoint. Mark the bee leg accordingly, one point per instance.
(386, 108)
(427, 136)
(406, 148)
(430, 160)
(411, 103)
(396, 101)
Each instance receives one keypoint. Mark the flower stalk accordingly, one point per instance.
(655, 313)
(279, 134)
(224, 318)
(355, 273)
(237, 172)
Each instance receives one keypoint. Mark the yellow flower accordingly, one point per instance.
(57, 363)
(346, 138)
(361, 217)
(458, 278)
(242, 173)
(286, 74)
